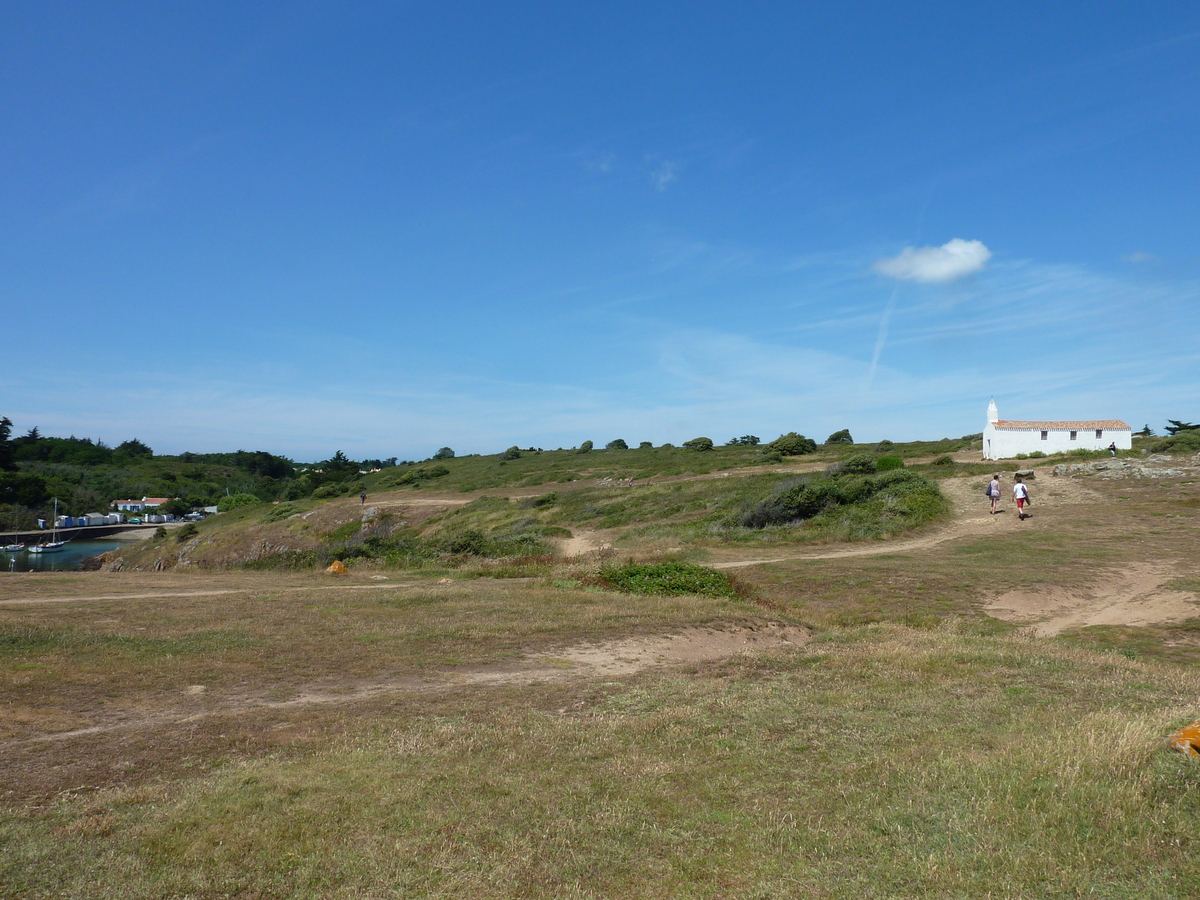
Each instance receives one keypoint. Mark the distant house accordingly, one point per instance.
(1005, 438)
(139, 505)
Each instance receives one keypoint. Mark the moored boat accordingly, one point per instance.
(52, 545)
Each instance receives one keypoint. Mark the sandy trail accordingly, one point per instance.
(591, 661)
(972, 517)
(1135, 596)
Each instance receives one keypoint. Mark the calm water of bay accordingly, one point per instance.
(68, 559)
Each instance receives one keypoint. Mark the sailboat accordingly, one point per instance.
(53, 545)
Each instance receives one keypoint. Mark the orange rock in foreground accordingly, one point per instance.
(337, 567)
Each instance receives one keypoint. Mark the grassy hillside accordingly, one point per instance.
(839, 716)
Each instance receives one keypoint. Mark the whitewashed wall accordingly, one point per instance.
(1007, 443)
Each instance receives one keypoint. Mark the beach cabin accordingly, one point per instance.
(1005, 438)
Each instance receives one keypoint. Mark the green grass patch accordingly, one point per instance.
(667, 578)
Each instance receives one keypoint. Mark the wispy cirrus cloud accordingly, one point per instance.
(663, 174)
(953, 260)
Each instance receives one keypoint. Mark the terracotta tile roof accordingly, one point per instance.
(1104, 424)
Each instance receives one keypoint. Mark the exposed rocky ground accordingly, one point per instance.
(1154, 466)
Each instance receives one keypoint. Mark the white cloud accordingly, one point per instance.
(664, 174)
(1140, 258)
(949, 262)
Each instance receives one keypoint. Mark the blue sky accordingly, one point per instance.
(390, 227)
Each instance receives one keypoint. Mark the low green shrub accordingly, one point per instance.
(1181, 442)
(277, 512)
(944, 461)
(793, 444)
(666, 578)
(236, 501)
(887, 463)
(901, 492)
(858, 464)
(699, 444)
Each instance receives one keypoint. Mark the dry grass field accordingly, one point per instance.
(979, 709)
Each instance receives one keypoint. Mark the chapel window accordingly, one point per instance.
(1073, 434)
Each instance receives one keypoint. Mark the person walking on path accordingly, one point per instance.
(362, 498)
(1021, 496)
(994, 492)
(1112, 448)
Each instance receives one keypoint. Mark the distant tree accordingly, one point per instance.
(32, 436)
(444, 453)
(1176, 426)
(585, 447)
(700, 444)
(187, 532)
(7, 463)
(792, 444)
(883, 446)
(23, 489)
(645, 445)
(618, 444)
(1146, 431)
(840, 437)
(339, 467)
(134, 448)
(513, 452)
(746, 440)
(176, 507)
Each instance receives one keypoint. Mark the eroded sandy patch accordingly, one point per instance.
(1134, 596)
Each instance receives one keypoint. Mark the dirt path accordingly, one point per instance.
(1136, 596)
(971, 518)
(582, 662)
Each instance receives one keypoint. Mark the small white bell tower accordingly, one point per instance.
(993, 415)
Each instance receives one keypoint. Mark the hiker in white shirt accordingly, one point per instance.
(1021, 496)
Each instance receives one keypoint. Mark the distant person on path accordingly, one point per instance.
(1112, 448)
(1021, 495)
(994, 492)
(362, 498)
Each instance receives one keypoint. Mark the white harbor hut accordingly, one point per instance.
(1005, 438)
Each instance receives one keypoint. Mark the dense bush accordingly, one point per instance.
(645, 445)
(585, 447)
(887, 463)
(413, 476)
(23, 490)
(858, 464)
(513, 452)
(667, 578)
(1187, 441)
(840, 437)
(444, 453)
(618, 444)
(235, 501)
(944, 461)
(901, 491)
(700, 444)
(792, 444)
(884, 446)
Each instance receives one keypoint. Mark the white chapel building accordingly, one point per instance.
(1005, 438)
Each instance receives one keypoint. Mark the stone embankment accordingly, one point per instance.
(1154, 466)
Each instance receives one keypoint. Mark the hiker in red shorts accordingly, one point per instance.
(1021, 496)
